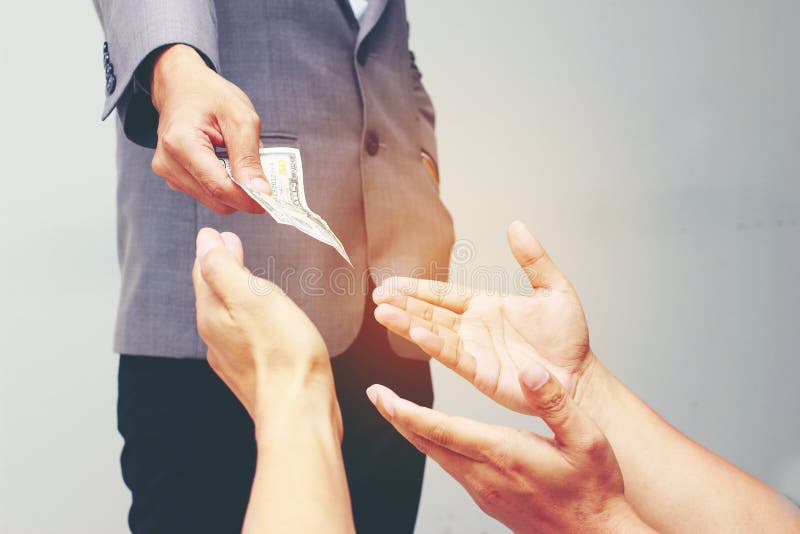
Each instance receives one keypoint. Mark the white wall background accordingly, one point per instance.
(652, 146)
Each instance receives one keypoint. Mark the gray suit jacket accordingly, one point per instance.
(348, 96)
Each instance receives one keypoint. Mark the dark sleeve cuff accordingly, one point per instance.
(136, 111)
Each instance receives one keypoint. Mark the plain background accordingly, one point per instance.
(652, 146)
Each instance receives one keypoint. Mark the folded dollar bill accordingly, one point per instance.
(287, 204)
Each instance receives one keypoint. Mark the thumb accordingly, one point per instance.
(549, 400)
(532, 257)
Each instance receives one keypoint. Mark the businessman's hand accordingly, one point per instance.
(259, 342)
(570, 483)
(488, 339)
(198, 110)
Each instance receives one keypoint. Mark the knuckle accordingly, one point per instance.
(251, 161)
(215, 189)
(249, 117)
(488, 497)
(554, 403)
(221, 209)
(501, 458)
(158, 166)
(421, 446)
(171, 141)
(204, 328)
(244, 116)
(441, 433)
(596, 449)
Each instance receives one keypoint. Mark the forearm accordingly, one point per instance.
(300, 483)
(673, 483)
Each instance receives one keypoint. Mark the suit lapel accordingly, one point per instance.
(372, 15)
(347, 11)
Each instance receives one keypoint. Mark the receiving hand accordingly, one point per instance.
(198, 110)
(253, 338)
(488, 339)
(570, 483)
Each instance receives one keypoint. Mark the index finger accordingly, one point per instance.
(202, 163)
(464, 436)
(443, 294)
(242, 136)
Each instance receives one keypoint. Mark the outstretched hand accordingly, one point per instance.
(253, 337)
(488, 339)
(569, 483)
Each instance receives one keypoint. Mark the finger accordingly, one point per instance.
(401, 322)
(200, 160)
(412, 312)
(533, 259)
(466, 437)
(549, 400)
(242, 134)
(208, 306)
(424, 310)
(219, 267)
(436, 341)
(179, 179)
(234, 244)
(448, 351)
(444, 294)
(457, 465)
(206, 302)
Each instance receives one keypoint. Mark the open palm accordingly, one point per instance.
(488, 339)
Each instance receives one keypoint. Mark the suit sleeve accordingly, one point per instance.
(134, 30)
(424, 103)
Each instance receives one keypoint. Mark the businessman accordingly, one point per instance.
(336, 80)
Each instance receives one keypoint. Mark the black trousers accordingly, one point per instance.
(189, 453)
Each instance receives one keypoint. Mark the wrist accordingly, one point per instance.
(173, 61)
(295, 418)
(284, 399)
(621, 517)
(594, 389)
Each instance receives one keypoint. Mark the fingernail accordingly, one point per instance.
(259, 184)
(372, 394)
(534, 376)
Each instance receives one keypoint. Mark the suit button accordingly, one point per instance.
(361, 56)
(111, 83)
(372, 144)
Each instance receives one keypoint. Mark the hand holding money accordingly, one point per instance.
(198, 110)
(287, 205)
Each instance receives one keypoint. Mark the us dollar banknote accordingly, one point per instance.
(283, 168)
